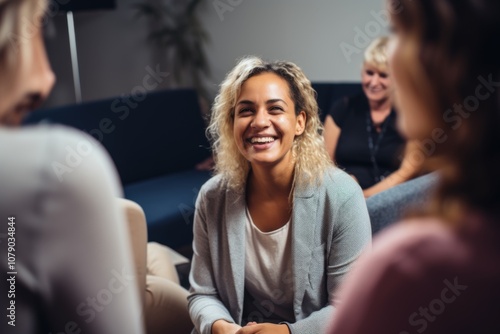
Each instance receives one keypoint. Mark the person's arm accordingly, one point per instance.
(351, 236)
(331, 134)
(81, 251)
(205, 307)
(410, 168)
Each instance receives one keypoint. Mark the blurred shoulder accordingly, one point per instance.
(418, 244)
(56, 168)
(53, 153)
(47, 139)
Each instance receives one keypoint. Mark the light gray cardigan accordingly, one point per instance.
(330, 227)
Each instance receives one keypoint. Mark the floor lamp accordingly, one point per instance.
(77, 5)
(74, 56)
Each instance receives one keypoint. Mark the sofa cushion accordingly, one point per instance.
(169, 202)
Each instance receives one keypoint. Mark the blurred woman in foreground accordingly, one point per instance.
(439, 272)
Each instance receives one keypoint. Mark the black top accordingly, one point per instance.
(368, 159)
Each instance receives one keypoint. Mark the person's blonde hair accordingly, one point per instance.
(376, 53)
(311, 158)
(16, 16)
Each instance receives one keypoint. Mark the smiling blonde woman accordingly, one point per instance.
(360, 131)
(278, 226)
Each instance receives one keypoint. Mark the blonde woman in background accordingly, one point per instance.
(278, 226)
(360, 131)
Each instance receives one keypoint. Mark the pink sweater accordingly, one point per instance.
(424, 277)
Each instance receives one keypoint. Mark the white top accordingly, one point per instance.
(268, 272)
(71, 243)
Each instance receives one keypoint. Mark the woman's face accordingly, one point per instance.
(265, 124)
(32, 80)
(414, 121)
(377, 83)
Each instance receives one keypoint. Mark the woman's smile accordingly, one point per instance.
(262, 142)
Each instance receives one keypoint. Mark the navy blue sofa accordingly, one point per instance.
(155, 141)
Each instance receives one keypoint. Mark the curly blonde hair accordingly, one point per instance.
(308, 150)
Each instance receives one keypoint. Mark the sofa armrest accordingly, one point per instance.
(139, 237)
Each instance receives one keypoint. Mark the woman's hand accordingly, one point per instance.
(224, 327)
(265, 328)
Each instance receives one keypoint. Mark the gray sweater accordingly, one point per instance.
(330, 228)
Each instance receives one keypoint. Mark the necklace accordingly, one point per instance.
(373, 148)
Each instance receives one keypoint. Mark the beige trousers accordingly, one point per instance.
(166, 301)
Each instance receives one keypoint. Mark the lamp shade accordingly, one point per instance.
(79, 5)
